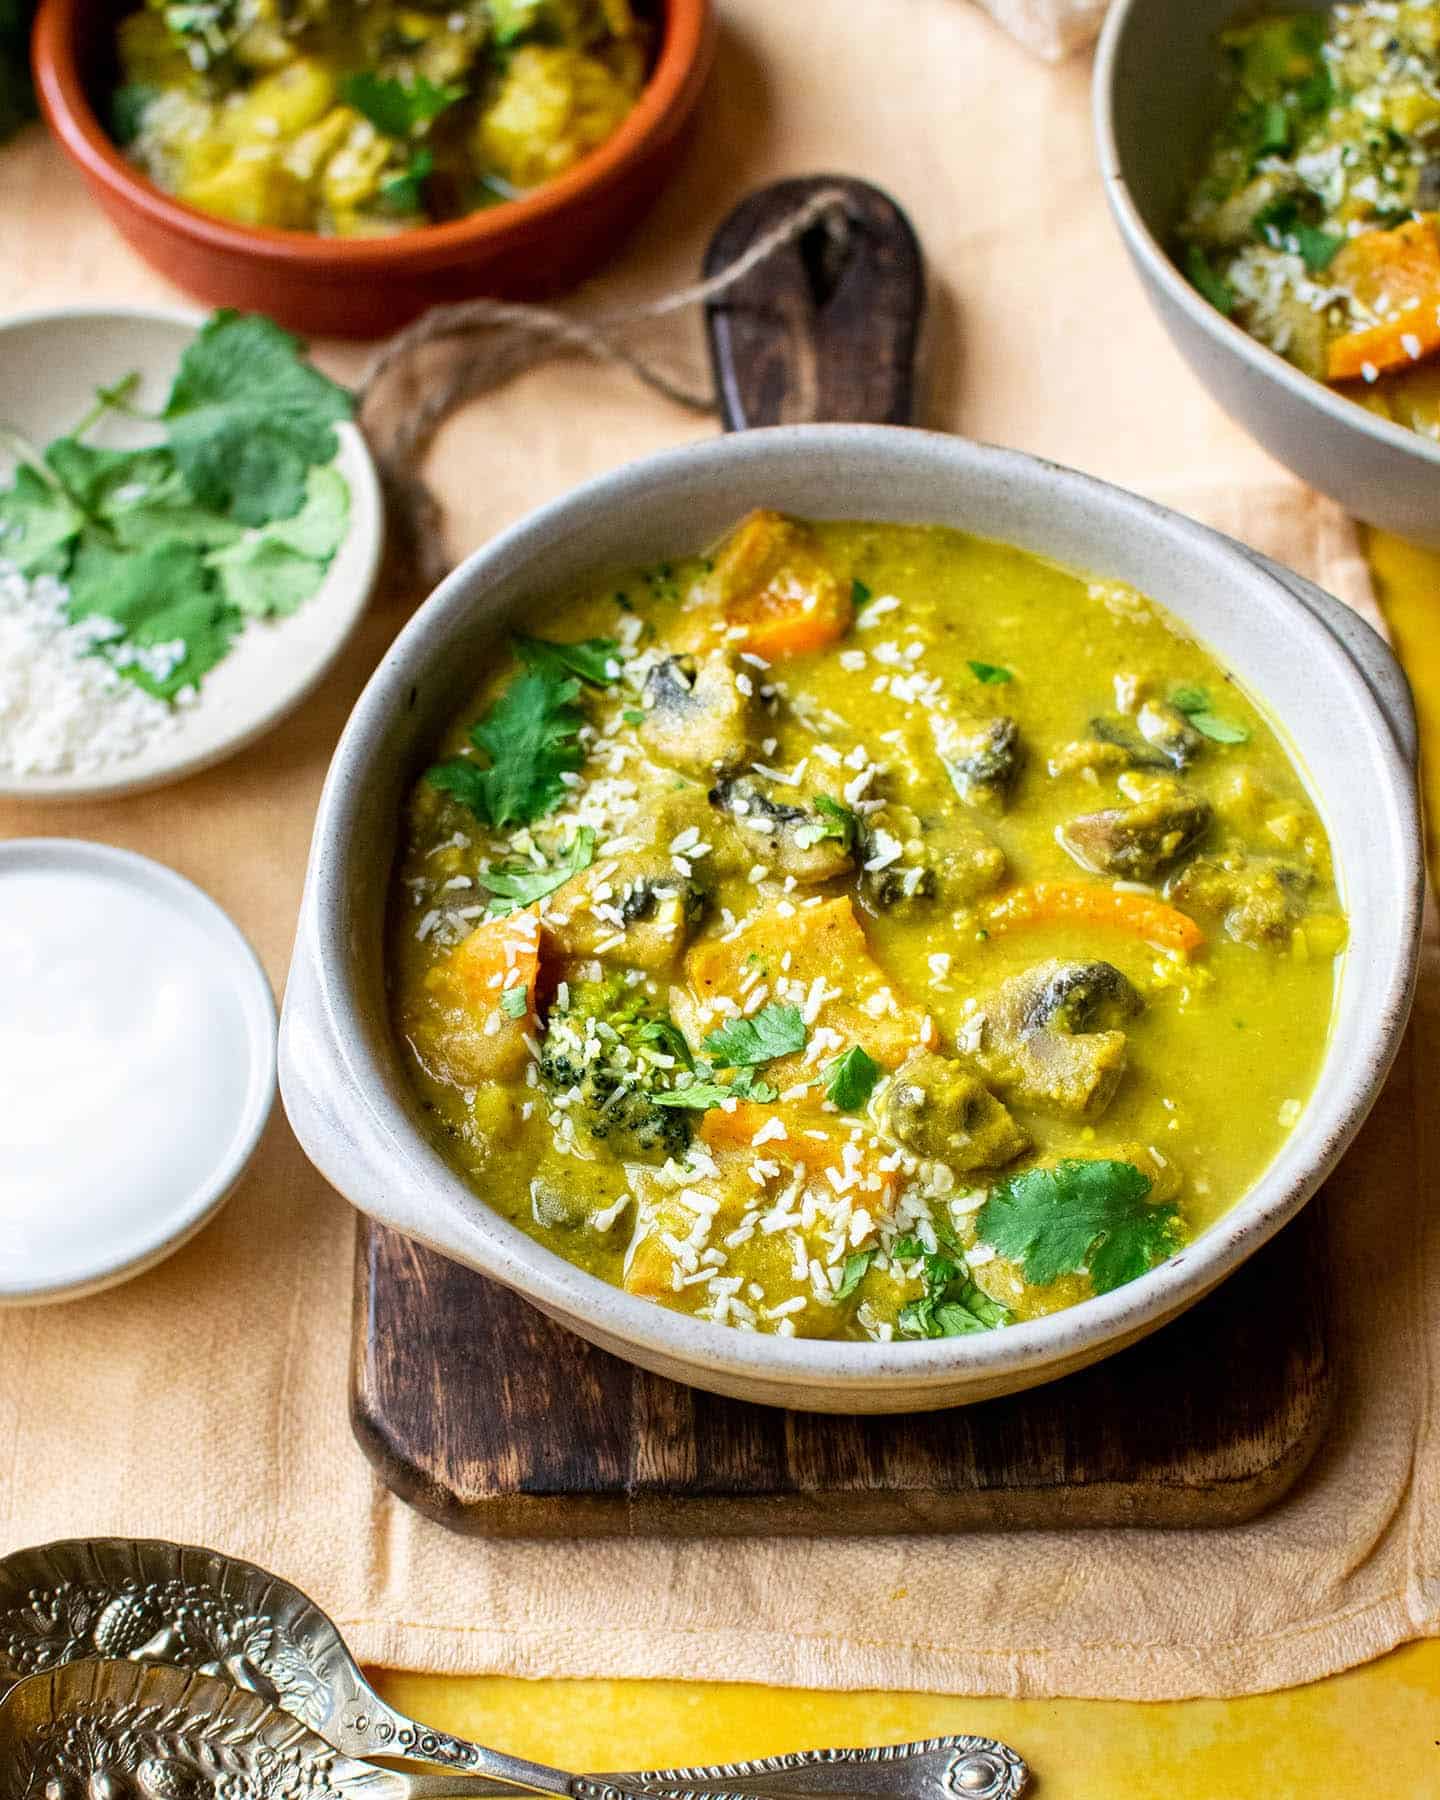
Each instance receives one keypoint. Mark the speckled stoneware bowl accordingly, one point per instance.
(1344, 706)
(1158, 91)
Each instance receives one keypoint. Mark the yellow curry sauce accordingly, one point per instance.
(363, 117)
(865, 931)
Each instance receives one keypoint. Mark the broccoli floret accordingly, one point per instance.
(614, 1052)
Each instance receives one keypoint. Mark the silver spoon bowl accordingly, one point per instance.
(144, 1602)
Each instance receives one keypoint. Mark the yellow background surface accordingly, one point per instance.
(1374, 1730)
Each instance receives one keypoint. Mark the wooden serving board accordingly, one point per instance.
(485, 1415)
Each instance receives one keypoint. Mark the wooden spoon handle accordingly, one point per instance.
(827, 328)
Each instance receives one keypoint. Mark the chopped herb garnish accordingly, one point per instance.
(1194, 702)
(671, 1039)
(1079, 1216)
(531, 739)
(853, 1273)
(700, 1096)
(521, 884)
(776, 1030)
(1208, 281)
(403, 193)
(990, 673)
(155, 538)
(747, 1085)
(954, 1305)
(859, 594)
(852, 1079)
(836, 821)
(594, 660)
(399, 108)
(633, 716)
(515, 1003)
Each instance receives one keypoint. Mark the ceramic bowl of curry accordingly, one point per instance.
(540, 239)
(956, 896)
(1185, 95)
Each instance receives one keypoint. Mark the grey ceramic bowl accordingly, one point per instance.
(1158, 91)
(1341, 696)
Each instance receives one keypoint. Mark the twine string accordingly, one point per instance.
(454, 353)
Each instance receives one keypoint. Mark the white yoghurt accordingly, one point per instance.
(136, 1063)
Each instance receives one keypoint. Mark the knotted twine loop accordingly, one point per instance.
(455, 353)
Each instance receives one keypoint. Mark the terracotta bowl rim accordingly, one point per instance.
(683, 60)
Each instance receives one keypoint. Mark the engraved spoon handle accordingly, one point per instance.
(953, 1768)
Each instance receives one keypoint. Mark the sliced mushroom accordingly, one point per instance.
(1050, 1037)
(655, 909)
(981, 757)
(1259, 898)
(1427, 186)
(1138, 841)
(698, 719)
(788, 837)
(942, 1111)
(904, 859)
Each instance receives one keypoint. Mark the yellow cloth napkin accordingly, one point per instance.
(206, 1401)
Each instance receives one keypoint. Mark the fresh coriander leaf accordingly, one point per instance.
(1221, 731)
(128, 105)
(1273, 130)
(247, 419)
(139, 496)
(174, 624)
(747, 1086)
(520, 884)
(838, 821)
(399, 108)
(1208, 281)
(907, 1248)
(1318, 248)
(969, 1309)
(39, 523)
(594, 660)
(700, 1096)
(269, 572)
(859, 594)
(990, 673)
(852, 1079)
(776, 1030)
(403, 193)
(671, 1039)
(515, 1003)
(530, 738)
(853, 1273)
(1079, 1214)
(633, 716)
(1194, 702)
(916, 1319)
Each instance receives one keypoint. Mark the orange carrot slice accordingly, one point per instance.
(778, 595)
(1151, 921)
(1395, 274)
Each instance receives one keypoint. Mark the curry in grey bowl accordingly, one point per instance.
(1276, 178)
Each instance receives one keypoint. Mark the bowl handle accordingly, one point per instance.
(1371, 655)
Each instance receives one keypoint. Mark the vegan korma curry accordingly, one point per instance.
(865, 931)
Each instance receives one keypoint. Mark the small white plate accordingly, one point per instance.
(51, 364)
(137, 1065)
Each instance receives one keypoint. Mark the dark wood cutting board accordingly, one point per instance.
(485, 1415)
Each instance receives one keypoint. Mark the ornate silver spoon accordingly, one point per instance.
(153, 1602)
(135, 1731)
(106, 1730)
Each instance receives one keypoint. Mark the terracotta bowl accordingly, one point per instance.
(1318, 667)
(366, 287)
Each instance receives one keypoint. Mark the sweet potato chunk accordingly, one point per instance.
(461, 1030)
